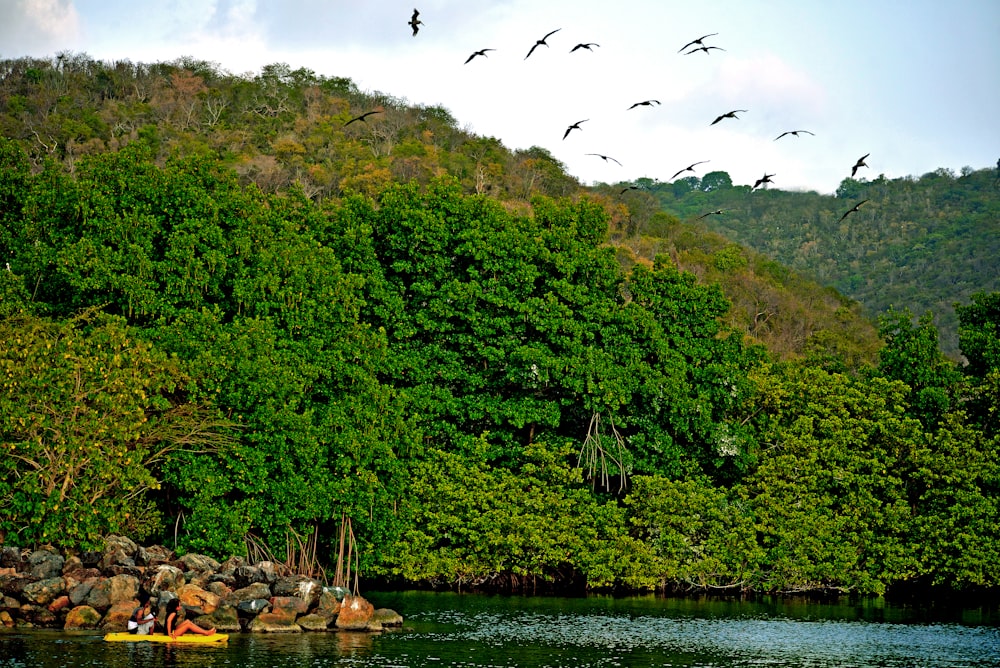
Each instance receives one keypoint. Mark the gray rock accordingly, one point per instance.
(44, 591)
(163, 578)
(79, 594)
(387, 617)
(229, 566)
(45, 564)
(256, 590)
(118, 551)
(200, 563)
(10, 557)
(254, 606)
(225, 620)
(307, 589)
(248, 575)
(272, 622)
(315, 622)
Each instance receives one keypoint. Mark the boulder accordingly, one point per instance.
(220, 589)
(387, 617)
(116, 618)
(61, 603)
(307, 589)
(37, 615)
(197, 601)
(355, 614)
(82, 617)
(46, 564)
(73, 563)
(270, 571)
(80, 592)
(200, 563)
(229, 566)
(316, 621)
(163, 578)
(6, 619)
(292, 605)
(45, 591)
(227, 579)
(329, 603)
(10, 557)
(13, 585)
(9, 603)
(245, 576)
(273, 622)
(251, 592)
(112, 591)
(90, 558)
(118, 551)
(225, 619)
(339, 592)
(254, 606)
(154, 555)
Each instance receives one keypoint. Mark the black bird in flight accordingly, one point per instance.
(647, 103)
(583, 46)
(414, 22)
(717, 212)
(794, 133)
(762, 180)
(605, 158)
(541, 41)
(706, 49)
(363, 117)
(697, 41)
(860, 163)
(852, 209)
(575, 126)
(625, 190)
(730, 114)
(481, 52)
(689, 168)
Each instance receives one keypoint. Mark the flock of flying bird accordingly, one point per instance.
(698, 46)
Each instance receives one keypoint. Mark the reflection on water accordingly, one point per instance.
(474, 631)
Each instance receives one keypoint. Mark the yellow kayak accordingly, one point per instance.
(162, 637)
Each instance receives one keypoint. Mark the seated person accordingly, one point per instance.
(142, 619)
(176, 627)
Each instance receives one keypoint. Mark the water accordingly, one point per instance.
(475, 631)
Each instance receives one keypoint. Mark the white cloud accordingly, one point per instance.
(38, 27)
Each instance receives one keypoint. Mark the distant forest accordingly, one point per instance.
(231, 319)
(922, 244)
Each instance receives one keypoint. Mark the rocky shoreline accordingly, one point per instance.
(44, 588)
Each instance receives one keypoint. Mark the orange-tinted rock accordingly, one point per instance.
(197, 601)
(355, 614)
(60, 603)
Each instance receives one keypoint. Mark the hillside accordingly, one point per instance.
(233, 315)
(286, 129)
(919, 243)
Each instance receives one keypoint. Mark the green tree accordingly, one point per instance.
(91, 415)
(911, 355)
(829, 497)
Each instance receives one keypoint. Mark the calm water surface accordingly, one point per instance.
(475, 631)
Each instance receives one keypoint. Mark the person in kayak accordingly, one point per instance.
(177, 627)
(142, 619)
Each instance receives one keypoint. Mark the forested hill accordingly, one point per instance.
(234, 315)
(920, 244)
(285, 129)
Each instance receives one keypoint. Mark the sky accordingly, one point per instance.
(913, 83)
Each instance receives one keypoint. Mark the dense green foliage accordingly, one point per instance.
(918, 244)
(495, 390)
